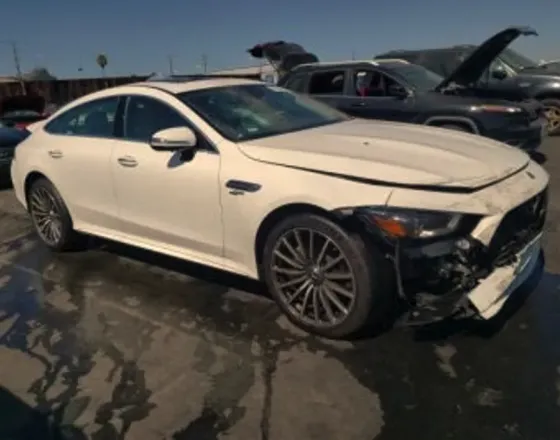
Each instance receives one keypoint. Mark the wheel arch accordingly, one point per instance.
(438, 121)
(276, 216)
(31, 177)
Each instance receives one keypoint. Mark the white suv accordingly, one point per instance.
(342, 218)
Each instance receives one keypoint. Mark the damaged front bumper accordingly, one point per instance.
(463, 277)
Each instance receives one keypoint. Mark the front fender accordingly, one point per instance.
(280, 186)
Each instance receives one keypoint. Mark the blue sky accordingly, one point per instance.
(139, 35)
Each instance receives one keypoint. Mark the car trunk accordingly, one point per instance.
(21, 110)
(282, 56)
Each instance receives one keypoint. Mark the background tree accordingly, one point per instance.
(102, 62)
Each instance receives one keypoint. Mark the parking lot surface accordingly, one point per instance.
(119, 343)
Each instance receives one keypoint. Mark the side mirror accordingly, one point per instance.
(173, 139)
(398, 91)
(499, 74)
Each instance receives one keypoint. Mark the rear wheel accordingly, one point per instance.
(50, 216)
(552, 114)
(323, 279)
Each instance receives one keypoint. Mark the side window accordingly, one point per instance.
(371, 83)
(146, 116)
(296, 83)
(95, 118)
(327, 83)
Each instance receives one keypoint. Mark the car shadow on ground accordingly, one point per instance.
(5, 183)
(194, 270)
(19, 421)
(437, 331)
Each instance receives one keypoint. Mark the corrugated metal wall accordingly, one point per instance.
(62, 91)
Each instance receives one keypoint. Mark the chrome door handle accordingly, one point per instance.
(55, 154)
(127, 161)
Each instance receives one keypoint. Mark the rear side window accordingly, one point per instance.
(327, 83)
(93, 119)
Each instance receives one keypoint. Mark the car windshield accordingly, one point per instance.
(251, 111)
(415, 75)
(517, 61)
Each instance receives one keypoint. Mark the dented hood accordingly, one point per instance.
(403, 154)
(470, 70)
(283, 56)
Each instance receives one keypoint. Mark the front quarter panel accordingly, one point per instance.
(280, 186)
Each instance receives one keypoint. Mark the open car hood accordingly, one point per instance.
(282, 56)
(22, 102)
(470, 70)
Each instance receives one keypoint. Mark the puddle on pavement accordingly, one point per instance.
(69, 312)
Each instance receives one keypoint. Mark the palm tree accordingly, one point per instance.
(102, 62)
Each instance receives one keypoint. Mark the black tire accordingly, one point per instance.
(552, 107)
(456, 127)
(68, 239)
(372, 278)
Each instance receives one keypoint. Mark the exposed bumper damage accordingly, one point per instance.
(461, 276)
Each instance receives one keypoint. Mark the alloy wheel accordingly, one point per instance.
(313, 277)
(552, 114)
(46, 215)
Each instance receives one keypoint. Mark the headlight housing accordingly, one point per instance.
(491, 108)
(413, 223)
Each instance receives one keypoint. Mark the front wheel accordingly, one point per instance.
(50, 216)
(325, 280)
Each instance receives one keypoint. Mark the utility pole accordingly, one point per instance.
(353, 55)
(18, 67)
(170, 62)
(15, 55)
(204, 63)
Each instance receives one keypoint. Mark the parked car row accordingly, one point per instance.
(398, 86)
(348, 221)
(507, 74)
(10, 137)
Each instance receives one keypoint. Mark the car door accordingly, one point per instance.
(167, 199)
(329, 85)
(371, 94)
(77, 159)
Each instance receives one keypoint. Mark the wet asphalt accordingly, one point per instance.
(118, 343)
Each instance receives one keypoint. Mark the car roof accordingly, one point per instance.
(404, 52)
(167, 85)
(174, 86)
(350, 63)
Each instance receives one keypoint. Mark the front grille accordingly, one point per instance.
(518, 228)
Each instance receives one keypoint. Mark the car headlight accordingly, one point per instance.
(495, 108)
(412, 223)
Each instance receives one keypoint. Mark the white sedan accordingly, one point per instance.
(343, 219)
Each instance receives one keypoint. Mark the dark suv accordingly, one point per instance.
(396, 90)
(496, 70)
